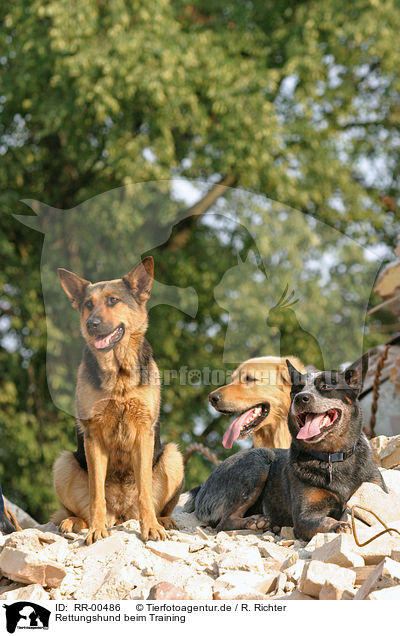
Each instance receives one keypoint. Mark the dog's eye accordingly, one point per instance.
(327, 387)
(248, 378)
(112, 301)
(89, 305)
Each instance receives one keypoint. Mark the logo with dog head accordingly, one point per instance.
(26, 615)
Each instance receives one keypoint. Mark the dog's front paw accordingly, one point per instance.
(72, 524)
(342, 527)
(152, 530)
(167, 522)
(258, 522)
(95, 533)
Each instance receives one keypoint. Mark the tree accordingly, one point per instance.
(298, 102)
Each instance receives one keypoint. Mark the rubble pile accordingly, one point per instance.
(199, 563)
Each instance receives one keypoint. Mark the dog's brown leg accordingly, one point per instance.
(313, 512)
(72, 488)
(142, 466)
(165, 515)
(168, 478)
(97, 469)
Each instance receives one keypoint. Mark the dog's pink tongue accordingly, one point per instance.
(234, 429)
(312, 426)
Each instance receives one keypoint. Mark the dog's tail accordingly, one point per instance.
(200, 448)
(191, 502)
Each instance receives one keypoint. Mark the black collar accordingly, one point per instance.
(328, 458)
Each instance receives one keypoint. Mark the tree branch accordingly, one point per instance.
(187, 219)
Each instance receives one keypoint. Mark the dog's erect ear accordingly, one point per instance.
(294, 375)
(140, 279)
(73, 285)
(354, 375)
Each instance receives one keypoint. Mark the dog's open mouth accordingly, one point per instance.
(313, 424)
(243, 425)
(106, 343)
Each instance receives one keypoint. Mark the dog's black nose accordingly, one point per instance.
(303, 398)
(214, 398)
(92, 324)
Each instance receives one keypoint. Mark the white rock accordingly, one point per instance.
(27, 567)
(318, 540)
(372, 497)
(340, 551)
(289, 561)
(378, 549)
(241, 592)
(295, 571)
(25, 593)
(199, 588)
(386, 450)
(316, 574)
(105, 548)
(118, 582)
(244, 558)
(330, 592)
(170, 550)
(386, 594)
(386, 574)
(263, 583)
(276, 552)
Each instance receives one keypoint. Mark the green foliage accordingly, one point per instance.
(297, 101)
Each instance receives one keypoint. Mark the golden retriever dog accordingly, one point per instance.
(259, 397)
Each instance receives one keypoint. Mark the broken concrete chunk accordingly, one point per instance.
(277, 552)
(386, 450)
(330, 592)
(339, 551)
(27, 567)
(295, 571)
(296, 595)
(362, 573)
(241, 592)
(318, 540)
(378, 549)
(291, 560)
(246, 558)
(199, 587)
(385, 594)
(287, 532)
(170, 550)
(25, 593)
(372, 497)
(105, 548)
(317, 573)
(263, 583)
(386, 574)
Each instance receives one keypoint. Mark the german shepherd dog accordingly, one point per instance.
(120, 470)
(259, 395)
(308, 485)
